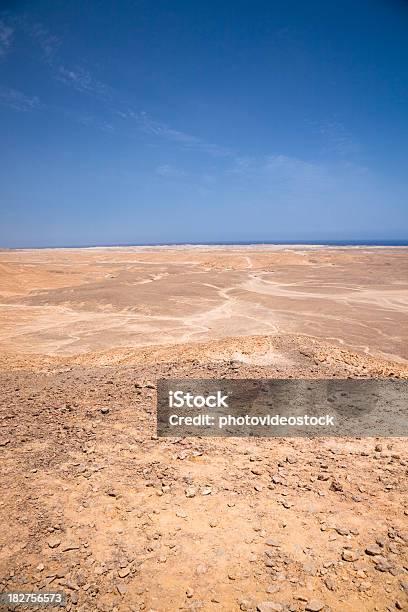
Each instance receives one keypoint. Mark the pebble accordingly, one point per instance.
(373, 550)
(272, 542)
(121, 588)
(247, 605)
(272, 588)
(206, 491)
(190, 492)
(189, 592)
(314, 605)
(330, 584)
(181, 513)
(342, 531)
(104, 410)
(53, 542)
(123, 572)
(270, 606)
(350, 555)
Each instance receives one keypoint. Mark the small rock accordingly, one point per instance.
(272, 588)
(104, 410)
(270, 606)
(272, 542)
(330, 584)
(247, 605)
(350, 555)
(342, 531)
(373, 550)
(336, 486)
(206, 491)
(181, 513)
(121, 588)
(53, 542)
(123, 572)
(189, 592)
(190, 492)
(383, 566)
(314, 605)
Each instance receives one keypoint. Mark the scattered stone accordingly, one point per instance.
(270, 606)
(314, 605)
(247, 605)
(350, 555)
(342, 531)
(70, 546)
(272, 542)
(206, 491)
(336, 486)
(121, 588)
(272, 588)
(330, 584)
(383, 566)
(189, 592)
(123, 572)
(53, 542)
(190, 492)
(104, 410)
(181, 513)
(373, 550)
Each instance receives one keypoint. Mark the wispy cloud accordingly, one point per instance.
(149, 125)
(6, 37)
(337, 138)
(80, 80)
(12, 98)
(48, 43)
(168, 171)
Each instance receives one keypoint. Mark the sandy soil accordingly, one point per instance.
(95, 505)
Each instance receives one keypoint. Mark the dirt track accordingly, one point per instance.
(96, 506)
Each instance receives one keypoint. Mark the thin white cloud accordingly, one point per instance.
(6, 37)
(81, 80)
(168, 171)
(12, 98)
(156, 128)
(47, 42)
(337, 138)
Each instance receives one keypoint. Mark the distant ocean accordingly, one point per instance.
(355, 243)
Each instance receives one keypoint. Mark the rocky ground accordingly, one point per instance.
(95, 505)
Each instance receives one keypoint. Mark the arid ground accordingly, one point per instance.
(95, 505)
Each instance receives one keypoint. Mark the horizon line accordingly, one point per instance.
(316, 242)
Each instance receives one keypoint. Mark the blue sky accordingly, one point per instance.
(163, 121)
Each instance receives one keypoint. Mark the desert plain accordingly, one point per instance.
(94, 504)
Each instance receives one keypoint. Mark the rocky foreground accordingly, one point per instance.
(95, 505)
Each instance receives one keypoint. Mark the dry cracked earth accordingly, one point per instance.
(95, 505)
